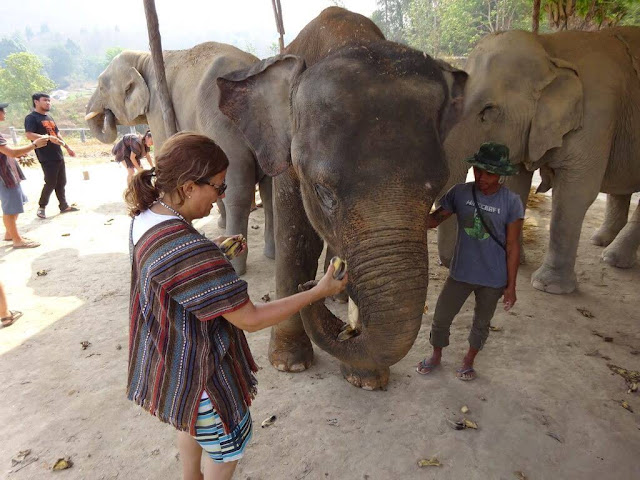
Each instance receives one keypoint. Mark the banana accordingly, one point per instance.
(340, 267)
(268, 421)
(232, 246)
(347, 332)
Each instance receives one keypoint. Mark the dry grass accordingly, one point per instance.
(536, 200)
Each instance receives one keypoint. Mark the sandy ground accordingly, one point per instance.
(545, 401)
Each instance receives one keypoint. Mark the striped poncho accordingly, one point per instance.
(179, 343)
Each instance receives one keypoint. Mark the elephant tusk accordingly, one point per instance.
(91, 115)
(353, 315)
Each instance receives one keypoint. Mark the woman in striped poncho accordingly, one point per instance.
(189, 362)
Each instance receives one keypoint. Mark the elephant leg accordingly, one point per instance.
(342, 297)
(572, 196)
(615, 218)
(298, 248)
(222, 221)
(521, 185)
(622, 252)
(266, 194)
(237, 204)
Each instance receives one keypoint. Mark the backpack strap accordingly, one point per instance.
(484, 224)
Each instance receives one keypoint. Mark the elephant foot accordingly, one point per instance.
(373, 379)
(269, 250)
(603, 237)
(290, 354)
(240, 263)
(553, 281)
(617, 257)
(222, 222)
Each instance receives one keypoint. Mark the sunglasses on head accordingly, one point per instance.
(219, 188)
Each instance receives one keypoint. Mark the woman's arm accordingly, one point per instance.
(256, 317)
(20, 151)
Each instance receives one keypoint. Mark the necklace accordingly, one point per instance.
(174, 211)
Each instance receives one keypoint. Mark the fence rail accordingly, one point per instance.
(83, 132)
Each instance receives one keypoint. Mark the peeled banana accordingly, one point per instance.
(232, 246)
(340, 267)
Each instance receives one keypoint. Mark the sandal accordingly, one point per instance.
(27, 244)
(466, 374)
(8, 321)
(40, 213)
(70, 208)
(425, 368)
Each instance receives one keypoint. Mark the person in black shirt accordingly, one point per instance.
(130, 150)
(39, 124)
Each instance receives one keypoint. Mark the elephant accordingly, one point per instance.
(126, 95)
(565, 103)
(351, 127)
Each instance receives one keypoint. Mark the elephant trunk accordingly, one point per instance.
(101, 121)
(388, 280)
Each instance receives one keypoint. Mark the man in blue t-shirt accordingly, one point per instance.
(486, 257)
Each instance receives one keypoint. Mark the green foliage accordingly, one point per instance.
(62, 64)
(20, 78)
(391, 16)
(111, 53)
(9, 46)
(590, 14)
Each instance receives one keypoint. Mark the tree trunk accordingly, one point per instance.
(155, 44)
(535, 17)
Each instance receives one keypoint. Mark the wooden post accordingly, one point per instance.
(277, 11)
(14, 137)
(155, 44)
(83, 136)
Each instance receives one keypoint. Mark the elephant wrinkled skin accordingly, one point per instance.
(567, 103)
(126, 95)
(354, 137)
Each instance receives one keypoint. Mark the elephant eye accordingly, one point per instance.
(488, 112)
(326, 197)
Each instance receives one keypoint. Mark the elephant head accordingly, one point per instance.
(519, 95)
(122, 97)
(361, 131)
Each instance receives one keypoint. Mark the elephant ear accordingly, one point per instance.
(456, 80)
(136, 94)
(558, 112)
(257, 100)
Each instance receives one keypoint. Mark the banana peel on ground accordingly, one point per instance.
(462, 424)
(631, 376)
(62, 464)
(431, 462)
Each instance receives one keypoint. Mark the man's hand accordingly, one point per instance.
(509, 298)
(55, 140)
(70, 152)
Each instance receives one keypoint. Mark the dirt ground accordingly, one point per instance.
(546, 404)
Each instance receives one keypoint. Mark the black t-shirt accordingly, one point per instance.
(44, 125)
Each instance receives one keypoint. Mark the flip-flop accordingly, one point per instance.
(40, 213)
(424, 365)
(466, 374)
(70, 208)
(28, 244)
(8, 321)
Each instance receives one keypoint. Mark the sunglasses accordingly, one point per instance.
(219, 188)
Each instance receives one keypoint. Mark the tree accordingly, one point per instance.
(391, 17)
(110, 54)
(587, 14)
(62, 64)
(535, 16)
(21, 77)
(28, 32)
(9, 46)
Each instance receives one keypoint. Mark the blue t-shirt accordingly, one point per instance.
(478, 258)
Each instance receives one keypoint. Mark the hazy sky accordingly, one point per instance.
(182, 22)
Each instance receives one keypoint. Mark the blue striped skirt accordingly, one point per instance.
(220, 446)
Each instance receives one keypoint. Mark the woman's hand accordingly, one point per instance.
(328, 286)
(41, 142)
